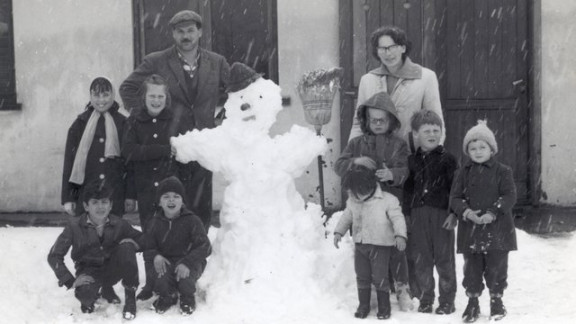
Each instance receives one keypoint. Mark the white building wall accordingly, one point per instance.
(60, 46)
(558, 77)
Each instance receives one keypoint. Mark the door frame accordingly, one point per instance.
(348, 92)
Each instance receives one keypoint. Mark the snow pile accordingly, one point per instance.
(271, 248)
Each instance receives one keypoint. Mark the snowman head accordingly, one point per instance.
(256, 104)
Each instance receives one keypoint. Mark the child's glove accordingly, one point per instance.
(471, 215)
(400, 243)
(82, 280)
(160, 263)
(337, 239)
(450, 222)
(182, 272)
(365, 162)
(69, 208)
(487, 218)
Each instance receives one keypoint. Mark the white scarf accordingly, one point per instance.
(111, 149)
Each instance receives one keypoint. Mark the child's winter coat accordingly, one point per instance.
(486, 187)
(376, 221)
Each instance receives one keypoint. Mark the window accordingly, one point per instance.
(7, 76)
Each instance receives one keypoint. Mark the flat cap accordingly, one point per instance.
(186, 16)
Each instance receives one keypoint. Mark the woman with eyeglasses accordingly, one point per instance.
(411, 86)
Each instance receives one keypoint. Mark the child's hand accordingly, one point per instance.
(365, 162)
(82, 280)
(384, 175)
(182, 272)
(337, 239)
(400, 243)
(129, 205)
(160, 263)
(486, 218)
(450, 222)
(69, 208)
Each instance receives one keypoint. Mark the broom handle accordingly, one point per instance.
(320, 172)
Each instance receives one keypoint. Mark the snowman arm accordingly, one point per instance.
(301, 146)
(199, 146)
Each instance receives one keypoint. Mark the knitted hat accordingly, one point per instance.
(480, 132)
(186, 16)
(241, 76)
(170, 184)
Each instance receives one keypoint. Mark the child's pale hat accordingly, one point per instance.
(480, 132)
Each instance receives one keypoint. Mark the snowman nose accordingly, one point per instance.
(245, 106)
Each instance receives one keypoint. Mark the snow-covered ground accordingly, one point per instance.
(542, 277)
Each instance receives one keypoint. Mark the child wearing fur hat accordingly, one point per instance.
(426, 206)
(103, 250)
(177, 242)
(146, 145)
(482, 196)
(93, 152)
(380, 148)
(377, 226)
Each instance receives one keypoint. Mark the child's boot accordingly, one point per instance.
(129, 312)
(109, 294)
(472, 311)
(364, 306)
(383, 304)
(445, 308)
(187, 306)
(404, 298)
(497, 309)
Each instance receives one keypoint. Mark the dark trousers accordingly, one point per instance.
(371, 264)
(121, 266)
(198, 185)
(433, 246)
(492, 265)
(167, 285)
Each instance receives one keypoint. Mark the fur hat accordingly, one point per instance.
(170, 184)
(186, 16)
(480, 132)
(241, 76)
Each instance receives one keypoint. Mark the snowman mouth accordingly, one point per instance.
(252, 117)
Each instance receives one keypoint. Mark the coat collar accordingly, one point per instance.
(489, 164)
(86, 222)
(184, 212)
(437, 151)
(176, 66)
(143, 116)
(409, 70)
(378, 194)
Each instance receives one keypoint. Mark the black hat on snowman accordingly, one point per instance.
(241, 76)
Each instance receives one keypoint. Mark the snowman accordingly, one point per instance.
(267, 232)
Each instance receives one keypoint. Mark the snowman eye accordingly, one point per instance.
(260, 96)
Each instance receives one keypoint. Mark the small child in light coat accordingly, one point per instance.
(177, 242)
(377, 224)
(482, 196)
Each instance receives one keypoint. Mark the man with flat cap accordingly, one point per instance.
(197, 79)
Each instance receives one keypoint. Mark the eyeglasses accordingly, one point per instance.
(387, 49)
(378, 121)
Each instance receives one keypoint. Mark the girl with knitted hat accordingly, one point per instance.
(93, 152)
(482, 196)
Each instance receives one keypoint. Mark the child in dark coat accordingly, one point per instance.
(178, 243)
(482, 196)
(93, 152)
(146, 145)
(380, 148)
(103, 250)
(377, 225)
(426, 206)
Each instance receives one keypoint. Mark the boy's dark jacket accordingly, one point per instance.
(114, 170)
(87, 249)
(488, 187)
(181, 240)
(429, 180)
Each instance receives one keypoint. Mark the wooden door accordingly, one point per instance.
(240, 30)
(479, 51)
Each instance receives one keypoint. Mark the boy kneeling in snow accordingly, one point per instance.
(177, 241)
(103, 250)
